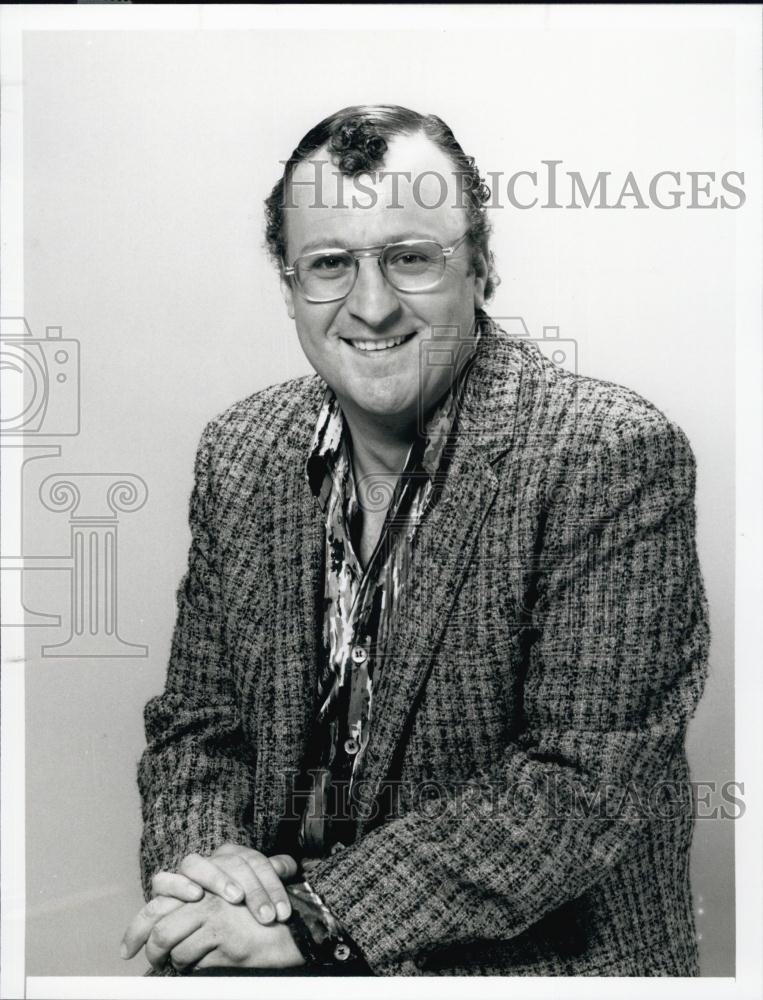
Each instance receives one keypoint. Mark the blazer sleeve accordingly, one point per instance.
(195, 775)
(615, 663)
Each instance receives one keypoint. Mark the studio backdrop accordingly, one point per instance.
(150, 306)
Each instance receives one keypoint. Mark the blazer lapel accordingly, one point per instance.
(300, 562)
(490, 415)
(440, 557)
(287, 686)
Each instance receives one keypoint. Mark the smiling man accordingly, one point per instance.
(443, 624)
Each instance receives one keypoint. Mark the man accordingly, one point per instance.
(442, 629)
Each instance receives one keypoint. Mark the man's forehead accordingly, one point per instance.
(415, 191)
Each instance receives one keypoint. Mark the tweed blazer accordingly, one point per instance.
(531, 709)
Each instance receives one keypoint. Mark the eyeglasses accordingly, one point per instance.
(409, 266)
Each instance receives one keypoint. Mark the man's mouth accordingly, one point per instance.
(387, 344)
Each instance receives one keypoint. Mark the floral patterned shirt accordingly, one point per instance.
(359, 607)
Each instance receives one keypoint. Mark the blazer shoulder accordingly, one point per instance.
(613, 411)
(577, 415)
(267, 423)
(629, 422)
(277, 403)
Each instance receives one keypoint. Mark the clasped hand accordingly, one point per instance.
(225, 910)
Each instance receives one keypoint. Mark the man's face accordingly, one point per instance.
(383, 385)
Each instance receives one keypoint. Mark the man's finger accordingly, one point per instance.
(211, 877)
(231, 849)
(284, 865)
(178, 886)
(273, 887)
(239, 850)
(263, 896)
(171, 930)
(141, 926)
(195, 949)
(214, 959)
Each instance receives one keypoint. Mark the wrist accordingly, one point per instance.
(277, 950)
(291, 952)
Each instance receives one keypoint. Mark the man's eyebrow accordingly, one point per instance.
(339, 243)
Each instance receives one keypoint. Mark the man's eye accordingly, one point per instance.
(329, 264)
(409, 258)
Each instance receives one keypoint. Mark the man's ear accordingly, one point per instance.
(479, 266)
(288, 296)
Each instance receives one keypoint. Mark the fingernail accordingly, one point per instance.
(196, 891)
(232, 893)
(266, 912)
(123, 950)
(282, 909)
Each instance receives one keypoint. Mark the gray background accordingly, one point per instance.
(146, 159)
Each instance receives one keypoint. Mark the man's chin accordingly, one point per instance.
(385, 408)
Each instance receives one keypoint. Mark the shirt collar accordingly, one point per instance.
(329, 437)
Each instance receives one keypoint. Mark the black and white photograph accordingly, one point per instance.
(382, 500)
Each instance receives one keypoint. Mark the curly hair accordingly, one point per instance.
(356, 138)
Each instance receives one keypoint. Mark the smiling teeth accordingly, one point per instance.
(377, 345)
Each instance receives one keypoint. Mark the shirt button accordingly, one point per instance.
(351, 746)
(358, 654)
(342, 952)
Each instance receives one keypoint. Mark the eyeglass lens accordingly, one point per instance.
(408, 267)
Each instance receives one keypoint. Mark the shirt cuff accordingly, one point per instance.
(316, 931)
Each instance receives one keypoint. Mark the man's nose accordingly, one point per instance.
(372, 300)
